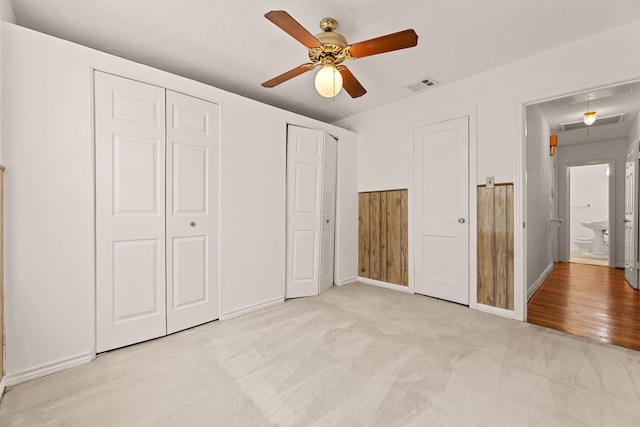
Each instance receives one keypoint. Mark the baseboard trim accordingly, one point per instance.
(509, 314)
(48, 369)
(538, 283)
(3, 383)
(347, 281)
(385, 285)
(247, 310)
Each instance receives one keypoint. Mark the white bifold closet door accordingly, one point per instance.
(156, 216)
(192, 216)
(311, 195)
(328, 212)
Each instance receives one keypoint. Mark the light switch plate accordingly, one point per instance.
(490, 182)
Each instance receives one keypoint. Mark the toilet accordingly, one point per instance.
(585, 246)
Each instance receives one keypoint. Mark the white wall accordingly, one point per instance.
(2, 379)
(385, 132)
(634, 134)
(1, 15)
(6, 14)
(596, 151)
(589, 199)
(385, 148)
(50, 270)
(6, 11)
(539, 199)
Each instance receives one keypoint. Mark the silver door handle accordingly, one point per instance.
(624, 221)
(461, 220)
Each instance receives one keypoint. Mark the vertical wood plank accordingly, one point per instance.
(485, 245)
(383, 236)
(404, 238)
(374, 236)
(500, 253)
(363, 234)
(394, 268)
(510, 237)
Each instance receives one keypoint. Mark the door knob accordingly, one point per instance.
(327, 221)
(461, 220)
(193, 224)
(624, 221)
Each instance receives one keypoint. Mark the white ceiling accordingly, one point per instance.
(606, 102)
(230, 45)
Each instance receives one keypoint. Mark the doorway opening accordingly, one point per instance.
(575, 211)
(588, 213)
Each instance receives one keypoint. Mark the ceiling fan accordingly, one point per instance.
(329, 49)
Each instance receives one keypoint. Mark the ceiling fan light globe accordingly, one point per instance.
(328, 81)
(589, 118)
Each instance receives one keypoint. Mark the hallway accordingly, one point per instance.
(588, 301)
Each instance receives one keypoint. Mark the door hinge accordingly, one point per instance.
(523, 225)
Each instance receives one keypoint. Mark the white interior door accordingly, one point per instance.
(328, 212)
(130, 205)
(441, 210)
(192, 212)
(630, 241)
(305, 152)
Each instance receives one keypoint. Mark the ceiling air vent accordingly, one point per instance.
(422, 84)
(611, 120)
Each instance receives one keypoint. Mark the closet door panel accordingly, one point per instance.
(192, 211)
(305, 153)
(189, 271)
(130, 235)
(328, 212)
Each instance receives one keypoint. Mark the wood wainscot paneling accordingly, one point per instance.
(382, 236)
(495, 246)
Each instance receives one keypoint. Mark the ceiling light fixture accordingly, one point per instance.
(589, 117)
(328, 80)
(329, 50)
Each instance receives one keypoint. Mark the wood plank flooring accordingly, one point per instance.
(589, 301)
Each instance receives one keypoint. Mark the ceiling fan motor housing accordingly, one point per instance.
(333, 44)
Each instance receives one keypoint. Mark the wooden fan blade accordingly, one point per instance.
(350, 83)
(292, 27)
(388, 43)
(288, 75)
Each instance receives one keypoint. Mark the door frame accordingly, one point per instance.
(520, 179)
(564, 196)
(472, 115)
(633, 157)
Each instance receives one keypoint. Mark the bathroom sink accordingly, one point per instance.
(597, 225)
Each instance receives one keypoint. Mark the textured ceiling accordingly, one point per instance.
(230, 45)
(606, 102)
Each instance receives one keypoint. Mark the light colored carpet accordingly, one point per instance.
(357, 355)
